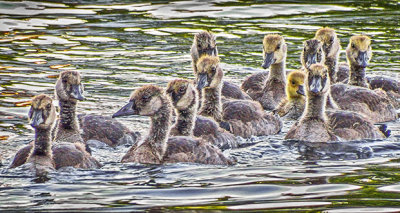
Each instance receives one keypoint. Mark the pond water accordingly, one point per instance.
(118, 46)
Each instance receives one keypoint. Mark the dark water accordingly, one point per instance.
(118, 46)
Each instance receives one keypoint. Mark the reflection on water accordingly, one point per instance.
(119, 46)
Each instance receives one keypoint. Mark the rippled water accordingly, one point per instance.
(119, 46)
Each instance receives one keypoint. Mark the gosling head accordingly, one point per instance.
(209, 73)
(274, 50)
(317, 80)
(312, 53)
(359, 51)
(42, 113)
(146, 101)
(331, 43)
(295, 85)
(182, 93)
(69, 86)
(205, 43)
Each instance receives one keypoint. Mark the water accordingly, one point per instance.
(119, 46)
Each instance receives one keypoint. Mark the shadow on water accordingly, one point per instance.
(121, 45)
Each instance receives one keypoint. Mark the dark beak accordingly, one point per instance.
(215, 51)
(315, 84)
(175, 97)
(202, 81)
(129, 109)
(211, 52)
(37, 118)
(269, 59)
(311, 59)
(77, 92)
(300, 90)
(362, 59)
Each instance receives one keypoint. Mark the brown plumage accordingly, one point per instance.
(107, 130)
(158, 147)
(312, 53)
(313, 125)
(244, 118)
(273, 89)
(204, 43)
(184, 98)
(355, 74)
(331, 47)
(42, 115)
(350, 125)
(356, 96)
(345, 124)
(68, 149)
(69, 90)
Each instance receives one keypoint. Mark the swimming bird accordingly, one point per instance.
(241, 117)
(184, 98)
(356, 96)
(42, 115)
(272, 91)
(158, 147)
(68, 149)
(311, 53)
(313, 125)
(331, 47)
(332, 124)
(292, 106)
(204, 43)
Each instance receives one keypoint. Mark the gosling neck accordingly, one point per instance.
(211, 103)
(332, 63)
(315, 107)
(68, 118)
(278, 72)
(186, 119)
(357, 76)
(159, 129)
(42, 142)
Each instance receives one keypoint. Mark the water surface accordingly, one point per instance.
(118, 46)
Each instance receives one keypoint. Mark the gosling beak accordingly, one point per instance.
(129, 109)
(311, 59)
(315, 84)
(362, 59)
(77, 92)
(300, 90)
(212, 52)
(37, 118)
(175, 97)
(202, 81)
(268, 60)
(215, 52)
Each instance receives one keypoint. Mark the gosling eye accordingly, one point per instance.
(213, 69)
(182, 90)
(353, 46)
(331, 40)
(199, 46)
(278, 47)
(64, 80)
(293, 82)
(48, 107)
